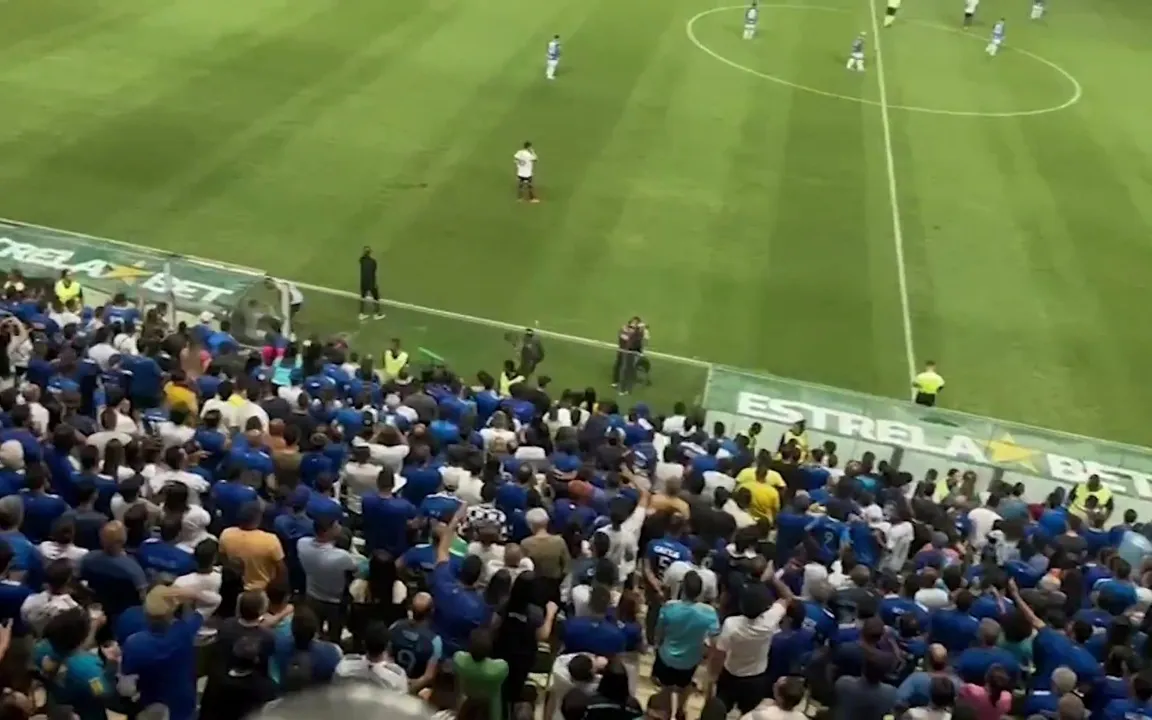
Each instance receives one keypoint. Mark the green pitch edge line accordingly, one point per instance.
(463, 317)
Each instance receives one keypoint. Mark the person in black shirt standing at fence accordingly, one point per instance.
(629, 354)
(369, 287)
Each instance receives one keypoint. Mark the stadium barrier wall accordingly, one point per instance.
(911, 437)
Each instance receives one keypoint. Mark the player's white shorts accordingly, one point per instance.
(857, 56)
(552, 64)
(996, 42)
(750, 27)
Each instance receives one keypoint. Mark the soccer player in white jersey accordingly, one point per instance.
(525, 159)
(997, 38)
(1037, 9)
(751, 17)
(970, 11)
(890, 13)
(553, 57)
(856, 57)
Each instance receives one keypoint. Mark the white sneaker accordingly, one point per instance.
(363, 316)
(378, 316)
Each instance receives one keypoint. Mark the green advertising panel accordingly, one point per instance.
(920, 438)
(110, 267)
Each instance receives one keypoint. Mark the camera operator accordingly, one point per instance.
(630, 342)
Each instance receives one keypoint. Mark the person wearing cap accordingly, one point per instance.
(161, 661)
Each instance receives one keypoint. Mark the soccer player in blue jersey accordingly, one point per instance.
(856, 57)
(997, 38)
(751, 18)
(1038, 7)
(553, 57)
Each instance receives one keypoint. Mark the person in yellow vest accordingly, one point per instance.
(395, 360)
(67, 288)
(797, 434)
(1093, 487)
(927, 385)
(509, 377)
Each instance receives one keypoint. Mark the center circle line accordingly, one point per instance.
(1077, 90)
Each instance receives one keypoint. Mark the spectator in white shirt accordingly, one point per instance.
(68, 315)
(109, 419)
(574, 671)
(983, 520)
(37, 413)
(62, 545)
(250, 408)
(194, 519)
(376, 666)
(222, 404)
(497, 436)
(359, 476)
(737, 506)
(177, 474)
(740, 658)
(669, 468)
(207, 579)
(38, 609)
(900, 537)
(674, 423)
(128, 495)
(787, 695)
(677, 571)
(389, 449)
(623, 531)
(100, 351)
(175, 431)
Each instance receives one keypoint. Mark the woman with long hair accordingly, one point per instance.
(115, 468)
(521, 625)
(993, 699)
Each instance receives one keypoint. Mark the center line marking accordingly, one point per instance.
(894, 202)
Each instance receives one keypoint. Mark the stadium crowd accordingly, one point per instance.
(189, 528)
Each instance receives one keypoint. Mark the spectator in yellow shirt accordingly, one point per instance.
(763, 484)
(179, 396)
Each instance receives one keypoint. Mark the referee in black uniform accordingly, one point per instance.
(369, 287)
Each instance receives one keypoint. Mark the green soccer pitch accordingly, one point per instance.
(757, 203)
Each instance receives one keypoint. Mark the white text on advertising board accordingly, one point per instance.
(944, 443)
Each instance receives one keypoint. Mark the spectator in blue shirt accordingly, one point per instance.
(26, 566)
(458, 605)
(388, 519)
(974, 663)
(301, 659)
(41, 508)
(162, 555)
(233, 493)
(113, 576)
(85, 517)
(162, 659)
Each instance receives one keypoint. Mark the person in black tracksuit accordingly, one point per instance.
(369, 287)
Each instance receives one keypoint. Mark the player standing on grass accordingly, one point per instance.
(890, 13)
(525, 159)
(1037, 9)
(997, 38)
(856, 57)
(553, 58)
(970, 11)
(369, 287)
(751, 17)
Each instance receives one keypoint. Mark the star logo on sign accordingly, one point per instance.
(1006, 450)
(127, 273)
